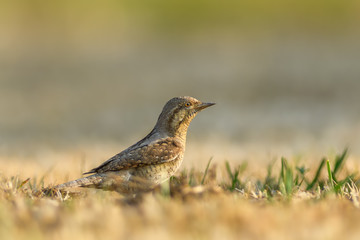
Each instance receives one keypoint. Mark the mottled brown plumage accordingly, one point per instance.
(153, 159)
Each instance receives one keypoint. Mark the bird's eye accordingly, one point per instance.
(187, 104)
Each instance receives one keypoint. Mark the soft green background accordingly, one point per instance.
(281, 72)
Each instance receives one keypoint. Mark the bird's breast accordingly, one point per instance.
(159, 173)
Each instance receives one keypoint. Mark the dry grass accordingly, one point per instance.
(229, 201)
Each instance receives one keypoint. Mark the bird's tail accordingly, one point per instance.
(90, 181)
(119, 182)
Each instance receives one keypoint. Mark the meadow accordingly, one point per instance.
(82, 80)
(280, 199)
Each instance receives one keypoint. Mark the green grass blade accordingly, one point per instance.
(235, 182)
(300, 178)
(317, 175)
(286, 178)
(282, 171)
(191, 178)
(23, 183)
(206, 170)
(228, 169)
(288, 181)
(329, 173)
(339, 163)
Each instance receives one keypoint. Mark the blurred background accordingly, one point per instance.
(285, 74)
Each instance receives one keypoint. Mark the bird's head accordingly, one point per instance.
(178, 113)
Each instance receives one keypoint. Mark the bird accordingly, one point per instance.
(152, 160)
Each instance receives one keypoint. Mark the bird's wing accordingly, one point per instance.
(160, 151)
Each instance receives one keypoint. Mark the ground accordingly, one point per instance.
(284, 199)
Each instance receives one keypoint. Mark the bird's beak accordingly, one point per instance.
(203, 106)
